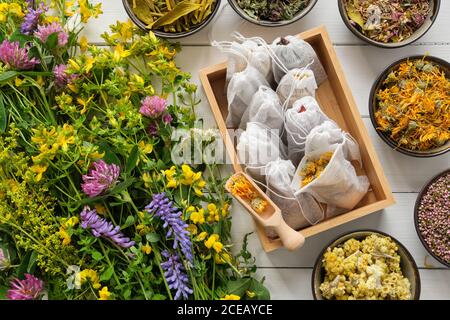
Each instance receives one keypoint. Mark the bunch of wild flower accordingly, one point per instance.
(88, 191)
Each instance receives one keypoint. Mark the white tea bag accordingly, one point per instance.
(241, 89)
(296, 84)
(257, 146)
(338, 185)
(279, 174)
(296, 53)
(264, 108)
(303, 117)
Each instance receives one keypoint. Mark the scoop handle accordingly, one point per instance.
(290, 238)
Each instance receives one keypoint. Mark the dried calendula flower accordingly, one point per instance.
(313, 168)
(172, 15)
(239, 186)
(387, 21)
(414, 105)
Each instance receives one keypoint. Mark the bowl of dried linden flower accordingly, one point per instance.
(365, 265)
(409, 106)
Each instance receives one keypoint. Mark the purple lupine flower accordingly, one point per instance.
(44, 31)
(175, 276)
(164, 209)
(32, 17)
(167, 118)
(153, 106)
(62, 79)
(102, 228)
(16, 57)
(4, 261)
(28, 289)
(100, 179)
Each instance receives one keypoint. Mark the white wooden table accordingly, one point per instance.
(288, 275)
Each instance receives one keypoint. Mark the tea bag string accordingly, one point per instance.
(264, 44)
(226, 46)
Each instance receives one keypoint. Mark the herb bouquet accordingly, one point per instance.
(92, 205)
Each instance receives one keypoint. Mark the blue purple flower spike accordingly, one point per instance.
(102, 228)
(174, 272)
(164, 209)
(31, 19)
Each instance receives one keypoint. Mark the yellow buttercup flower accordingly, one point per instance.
(198, 216)
(217, 246)
(104, 294)
(231, 297)
(39, 170)
(147, 249)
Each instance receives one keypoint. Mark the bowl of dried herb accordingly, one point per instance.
(272, 13)
(409, 106)
(387, 23)
(171, 18)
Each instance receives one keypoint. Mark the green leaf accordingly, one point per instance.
(22, 269)
(3, 292)
(32, 263)
(20, 37)
(238, 287)
(158, 296)
(3, 115)
(107, 274)
(109, 157)
(97, 256)
(7, 75)
(181, 9)
(130, 221)
(152, 237)
(132, 159)
(261, 292)
(52, 41)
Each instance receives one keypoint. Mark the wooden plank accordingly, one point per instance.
(296, 284)
(325, 12)
(396, 221)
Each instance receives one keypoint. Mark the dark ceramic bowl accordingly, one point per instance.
(407, 263)
(435, 5)
(267, 23)
(170, 35)
(416, 217)
(373, 104)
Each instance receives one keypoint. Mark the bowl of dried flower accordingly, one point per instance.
(432, 217)
(409, 106)
(273, 13)
(387, 23)
(365, 265)
(172, 19)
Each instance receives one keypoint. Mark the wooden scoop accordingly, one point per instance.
(271, 216)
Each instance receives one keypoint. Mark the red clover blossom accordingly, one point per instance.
(29, 288)
(100, 179)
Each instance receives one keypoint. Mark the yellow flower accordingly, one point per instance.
(71, 222)
(145, 147)
(250, 294)
(198, 216)
(225, 209)
(231, 297)
(39, 170)
(147, 249)
(192, 228)
(213, 213)
(91, 276)
(68, 8)
(217, 246)
(87, 10)
(211, 240)
(104, 294)
(100, 209)
(18, 81)
(83, 44)
(72, 87)
(65, 236)
(202, 236)
(222, 258)
(172, 184)
(84, 103)
(120, 53)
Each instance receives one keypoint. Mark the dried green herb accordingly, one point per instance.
(172, 15)
(387, 21)
(273, 10)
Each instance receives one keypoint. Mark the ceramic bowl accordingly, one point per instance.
(416, 216)
(373, 104)
(170, 35)
(267, 23)
(407, 263)
(435, 5)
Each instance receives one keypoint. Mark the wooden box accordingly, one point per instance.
(336, 100)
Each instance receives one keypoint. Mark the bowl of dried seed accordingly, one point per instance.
(172, 19)
(409, 106)
(387, 23)
(432, 217)
(272, 13)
